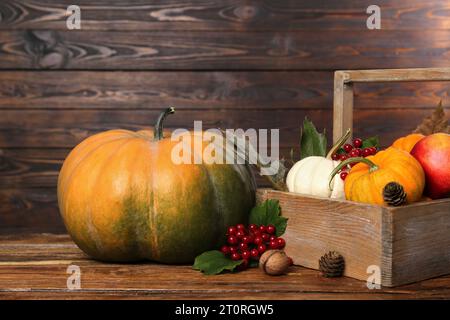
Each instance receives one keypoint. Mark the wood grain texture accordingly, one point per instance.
(30, 168)
(155, 90)
(29, 210)
(387, 231)
(342, 106)
(395, 75)
(224, 15)
(32, 128)
(105, 100)
(408, 243)
(240, 90)
(421, 241)
(34, 267)
(194, 50)
(400, 95)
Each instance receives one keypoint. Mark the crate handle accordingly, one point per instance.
(343, 89)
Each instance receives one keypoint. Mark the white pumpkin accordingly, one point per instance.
(311, 176)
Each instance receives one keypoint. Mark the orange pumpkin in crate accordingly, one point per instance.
(122, 198)
(408, 142)
(368, 178)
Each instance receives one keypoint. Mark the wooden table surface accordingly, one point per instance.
(35, 267)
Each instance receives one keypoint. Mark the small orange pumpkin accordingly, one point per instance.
(408, 142)
(367, 179)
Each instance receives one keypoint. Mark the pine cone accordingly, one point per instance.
(394, 194)
(332, 264)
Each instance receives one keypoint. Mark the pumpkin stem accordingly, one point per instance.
(158, 130)
(343, 164)
(339, 143)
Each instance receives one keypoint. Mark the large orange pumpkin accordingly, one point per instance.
(123, 199)
(367, 179)
(408, 142)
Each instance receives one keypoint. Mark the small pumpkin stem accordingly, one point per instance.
(158, 130)
(343, 164)
(339, 143)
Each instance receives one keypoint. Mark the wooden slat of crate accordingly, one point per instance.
(420, 241)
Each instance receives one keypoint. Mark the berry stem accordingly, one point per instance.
(339, 143)
(158, 130)
(343, 164)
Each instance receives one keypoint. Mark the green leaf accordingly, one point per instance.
(370, 142)
(214, 262)
(312, 143)
(269, 212)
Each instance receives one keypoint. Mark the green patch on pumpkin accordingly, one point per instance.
(133, 226)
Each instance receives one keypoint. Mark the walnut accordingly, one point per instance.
(275, 262)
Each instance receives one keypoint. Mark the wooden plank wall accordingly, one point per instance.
(230, 63)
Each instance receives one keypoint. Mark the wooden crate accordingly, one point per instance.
(408, 243)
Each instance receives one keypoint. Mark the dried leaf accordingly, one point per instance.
(437, 122)
(263, 162)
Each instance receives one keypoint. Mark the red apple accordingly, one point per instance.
(433, 153)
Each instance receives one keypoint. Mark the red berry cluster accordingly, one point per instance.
(352, 151)
(250, 243)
